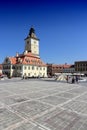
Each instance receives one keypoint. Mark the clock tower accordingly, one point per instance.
(32, 42)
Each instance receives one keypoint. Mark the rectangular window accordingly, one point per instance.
(43, 74)
(24, 74)
(25, 67)
(32, 67)
(27, 42)
(44, 68)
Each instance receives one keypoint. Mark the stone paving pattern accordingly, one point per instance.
(42, 105)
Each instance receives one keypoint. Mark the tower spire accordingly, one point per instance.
(32, 32)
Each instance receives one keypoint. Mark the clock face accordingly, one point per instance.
(35, 42)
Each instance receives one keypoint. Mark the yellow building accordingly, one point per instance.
(27, 64)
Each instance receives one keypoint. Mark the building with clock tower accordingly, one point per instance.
(29, 63)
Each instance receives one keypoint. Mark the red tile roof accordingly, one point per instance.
(60, 65)
(28, 58)
(13, 60)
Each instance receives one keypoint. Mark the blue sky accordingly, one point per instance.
(61, 26)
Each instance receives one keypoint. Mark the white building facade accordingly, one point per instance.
(28, 63)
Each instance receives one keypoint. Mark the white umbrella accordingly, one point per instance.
(61, 77)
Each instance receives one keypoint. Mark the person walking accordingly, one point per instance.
(76, 79)
(67, 78)
(73, 80)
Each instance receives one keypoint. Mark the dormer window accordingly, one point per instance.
(28, 60)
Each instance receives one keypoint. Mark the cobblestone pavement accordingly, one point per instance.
(42, 105)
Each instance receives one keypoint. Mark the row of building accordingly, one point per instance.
(77, 67)
(29, 63)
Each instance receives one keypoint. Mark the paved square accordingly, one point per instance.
(77, 106)
(59, 119)
(54, 100)
(28, 126)
(39, 104)
(8, 118)
(30, 108)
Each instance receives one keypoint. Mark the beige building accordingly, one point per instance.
(27, 64)
(81, 66)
